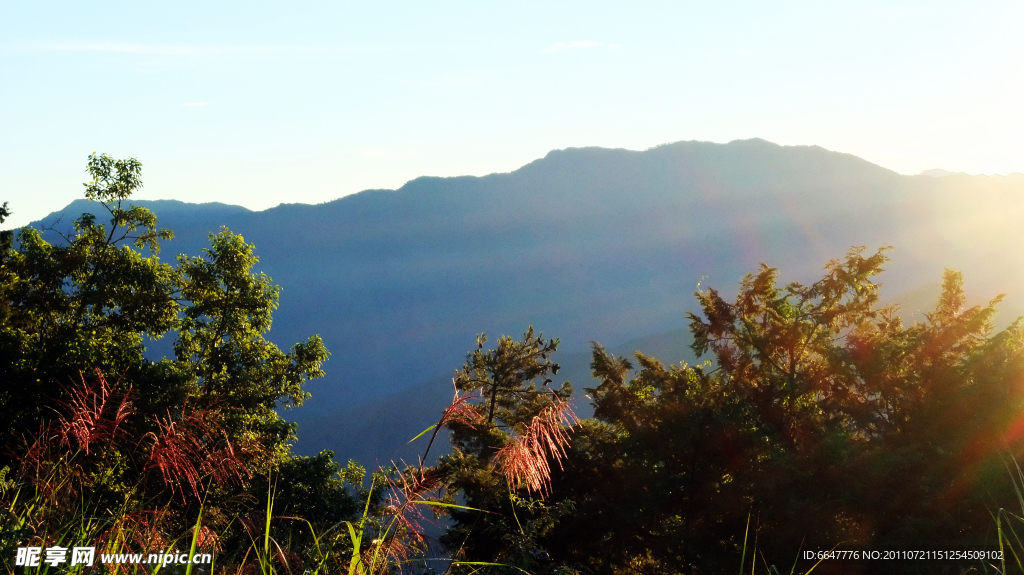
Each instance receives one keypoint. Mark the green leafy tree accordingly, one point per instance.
(6, 236)
(74, 316)
(221, 344)
(84, 305)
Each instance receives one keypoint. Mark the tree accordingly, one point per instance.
(501, 446)
(820, 419)
(221, 345)
(6, 236)
(74, 316)
(85, 305)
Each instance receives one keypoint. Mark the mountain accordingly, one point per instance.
(936, 173)
(584, 244)
(165, 209)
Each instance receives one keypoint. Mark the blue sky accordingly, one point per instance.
(258, 103)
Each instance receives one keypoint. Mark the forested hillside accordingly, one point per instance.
(587, 244)
(143, 399)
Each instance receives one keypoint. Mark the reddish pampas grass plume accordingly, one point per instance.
(189, 446)
(459, 411)
(404, 505)
(208, 540)
(525, 459)
(176, 449)
(95, 414)
(142, 528)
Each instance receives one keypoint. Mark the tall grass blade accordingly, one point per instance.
(743, 557)
(195, 539)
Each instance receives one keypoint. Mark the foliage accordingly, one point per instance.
(93, 415)
(112, 449)
(221, 345)
(6, 236)
(821, 419)
(500, 450)
(78, 482)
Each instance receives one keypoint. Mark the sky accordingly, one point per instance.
(259, 103)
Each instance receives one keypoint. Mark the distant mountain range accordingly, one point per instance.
(584, 244)
(1017, 176)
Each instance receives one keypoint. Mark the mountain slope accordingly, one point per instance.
(587, 244)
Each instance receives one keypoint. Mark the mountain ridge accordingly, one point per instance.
(589, 244)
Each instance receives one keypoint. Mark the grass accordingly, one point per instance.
(62, 496)
(1010, 525)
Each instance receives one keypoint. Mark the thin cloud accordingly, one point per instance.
(563, 46)
(117, 48)
(195, 104)
(171, 50)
